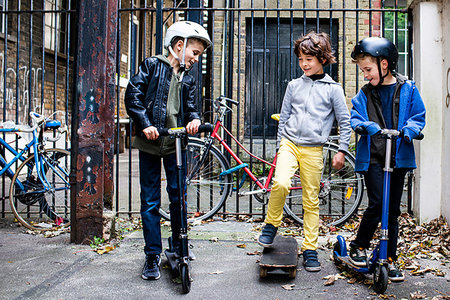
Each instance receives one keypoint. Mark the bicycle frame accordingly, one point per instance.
(264, 188)
(38, 160)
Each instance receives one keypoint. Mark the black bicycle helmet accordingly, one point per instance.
(378, 47)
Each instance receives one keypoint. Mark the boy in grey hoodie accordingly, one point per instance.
(310, 106)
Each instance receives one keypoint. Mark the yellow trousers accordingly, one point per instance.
(309, 160)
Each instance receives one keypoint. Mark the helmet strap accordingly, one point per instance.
(183, 61)
(380, 73)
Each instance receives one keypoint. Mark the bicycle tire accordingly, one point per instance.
(207, 190)
(34, 207)
(340, 195)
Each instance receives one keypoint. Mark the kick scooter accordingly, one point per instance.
(180, 262)
(377, 262)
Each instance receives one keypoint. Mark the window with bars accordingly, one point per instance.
(55, 25)
(2, 17)
(396, 30)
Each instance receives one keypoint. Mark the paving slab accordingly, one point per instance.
(34, 267)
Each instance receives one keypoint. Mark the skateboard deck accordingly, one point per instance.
(282, 258)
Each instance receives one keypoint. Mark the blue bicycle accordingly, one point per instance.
(39, 189)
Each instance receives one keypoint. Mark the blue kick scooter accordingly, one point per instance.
(377, 263)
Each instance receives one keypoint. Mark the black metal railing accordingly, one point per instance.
(252, 61)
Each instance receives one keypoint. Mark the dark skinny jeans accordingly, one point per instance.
(374, 180)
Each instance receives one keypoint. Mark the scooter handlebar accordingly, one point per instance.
(207, 127)
(362, 131)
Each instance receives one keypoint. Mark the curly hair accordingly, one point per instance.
(316, 44)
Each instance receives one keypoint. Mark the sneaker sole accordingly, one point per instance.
(397, 279)
(265, 245)
(313, 269)
(150, 278)
(358, 264)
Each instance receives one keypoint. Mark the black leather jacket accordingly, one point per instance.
(147, 92)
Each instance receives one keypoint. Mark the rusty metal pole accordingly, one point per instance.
(93, 118)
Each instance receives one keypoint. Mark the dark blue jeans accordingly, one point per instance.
(150, 180)
(374, 180)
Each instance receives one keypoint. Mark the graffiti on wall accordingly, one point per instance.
(16, 93)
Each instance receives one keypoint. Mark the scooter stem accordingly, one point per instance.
(385, 206)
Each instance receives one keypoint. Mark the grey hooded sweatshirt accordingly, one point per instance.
(309, 110)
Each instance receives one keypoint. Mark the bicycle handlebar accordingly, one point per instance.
(223, 98)
(207, 127)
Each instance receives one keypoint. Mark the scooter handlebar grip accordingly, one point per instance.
(163, 131)
(361, 130)
(419, 137)
(207, 127)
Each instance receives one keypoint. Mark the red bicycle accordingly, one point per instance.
(211, 179)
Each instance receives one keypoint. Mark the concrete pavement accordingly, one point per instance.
(34, 267)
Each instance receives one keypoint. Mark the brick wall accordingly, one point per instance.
(22, 84)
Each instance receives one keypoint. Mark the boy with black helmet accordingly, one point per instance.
(389, 101)
(162, 95)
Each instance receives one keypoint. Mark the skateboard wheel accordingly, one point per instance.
(292, 272)
(262, 272)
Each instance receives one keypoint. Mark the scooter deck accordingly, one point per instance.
(173, 258)
(281, 258)
(346, 260)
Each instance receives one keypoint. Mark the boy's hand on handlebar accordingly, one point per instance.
(192, 127)
(151, 133)
(338, 160)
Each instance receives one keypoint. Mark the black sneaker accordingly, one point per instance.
(268, 233)
(358, 256)
(394, 274)
(151, 270)
(310, 261)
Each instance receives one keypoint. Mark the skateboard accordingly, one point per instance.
(281, 258)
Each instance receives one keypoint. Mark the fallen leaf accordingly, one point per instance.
(418, 295)
(254, 253)
(352, 280)
(216, 272)
(241, 245)
(105, 249)
(330, 281)
(288, 287)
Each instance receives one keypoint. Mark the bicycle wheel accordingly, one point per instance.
(340, 191)
(207, 190)
(37, 207)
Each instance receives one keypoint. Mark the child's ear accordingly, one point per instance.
(179, 45)
(384, 64)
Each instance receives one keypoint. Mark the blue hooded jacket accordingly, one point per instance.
(411, 120)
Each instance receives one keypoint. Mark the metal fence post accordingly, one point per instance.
(93, 118)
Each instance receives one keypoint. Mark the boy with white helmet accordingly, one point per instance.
(162, 95)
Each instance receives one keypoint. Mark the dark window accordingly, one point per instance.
(265, 94)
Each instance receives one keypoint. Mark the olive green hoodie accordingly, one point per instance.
(164, 145)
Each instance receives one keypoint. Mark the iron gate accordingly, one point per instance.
(252, 61)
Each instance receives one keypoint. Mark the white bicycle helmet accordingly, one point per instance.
(186, 30)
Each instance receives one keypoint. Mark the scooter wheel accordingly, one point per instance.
(380, 279)
(337, 248)
(185, 278)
